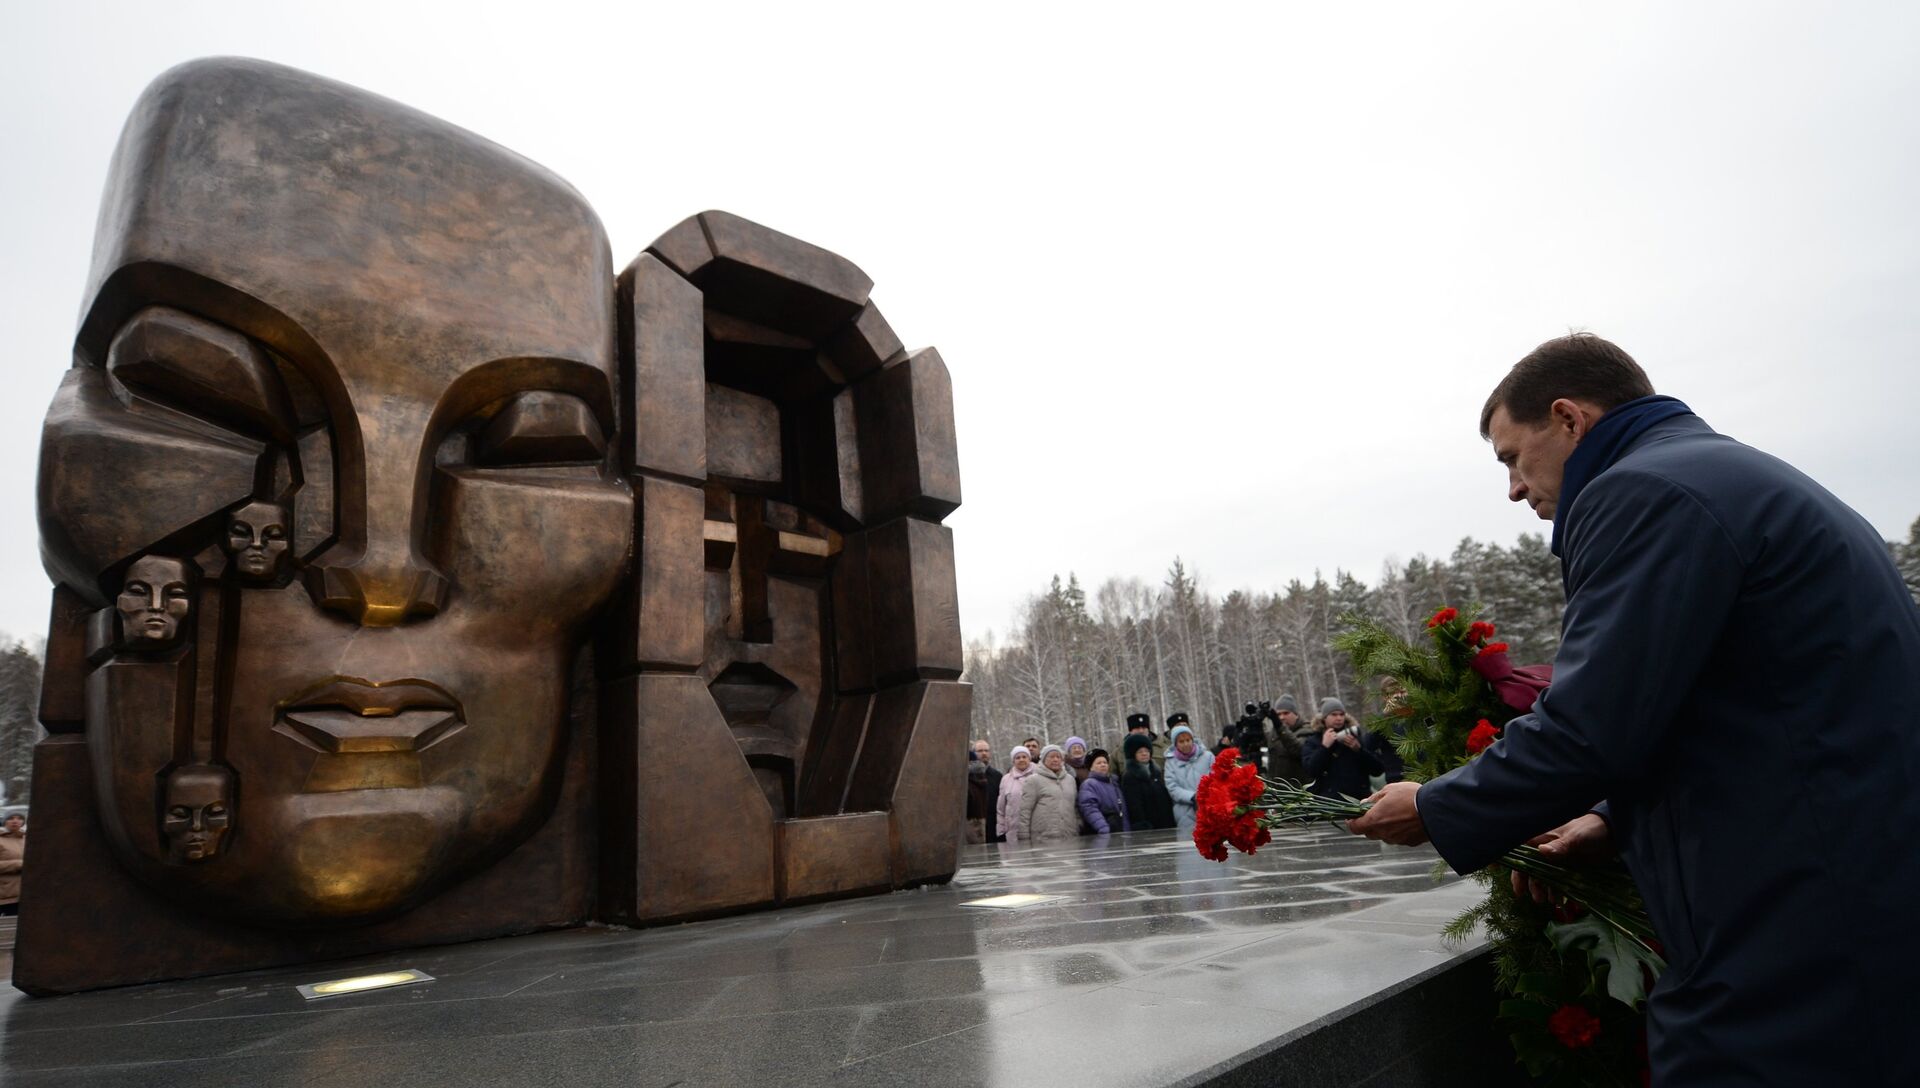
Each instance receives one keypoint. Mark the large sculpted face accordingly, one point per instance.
(153, 603)
(358, 362)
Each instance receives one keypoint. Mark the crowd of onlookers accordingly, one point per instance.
(1052, 792)
(13, 852)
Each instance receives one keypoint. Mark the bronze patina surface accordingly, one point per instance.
(418, 580)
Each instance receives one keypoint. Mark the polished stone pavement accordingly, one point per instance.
(1157, 967)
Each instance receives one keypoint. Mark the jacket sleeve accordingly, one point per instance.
(11, 865)
(1009, 819)
(1369, 754)
(1651, 578)
(1315, 757)
(1090, 812)
(1029, 798)
(1175, 790)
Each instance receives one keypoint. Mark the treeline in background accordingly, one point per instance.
(1075, 664)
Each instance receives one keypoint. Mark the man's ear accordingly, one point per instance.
(1574, 417)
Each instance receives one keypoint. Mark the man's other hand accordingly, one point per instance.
(1393, 817)
(1579, 841)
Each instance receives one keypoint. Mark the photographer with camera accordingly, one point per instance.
(1345, 757)
(1283, 750)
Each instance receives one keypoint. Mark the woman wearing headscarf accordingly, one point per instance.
(1048, 812)
(1076, 752)
(1143, 787)
(1008, 809)
(1187, 764)
(1102, 806)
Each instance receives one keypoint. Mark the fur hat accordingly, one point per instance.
(1100, 753)
(1176, 719)
(1139, 721)
(1134, 743)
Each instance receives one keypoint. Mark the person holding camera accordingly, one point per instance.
(1344, 758)
(1284, 749)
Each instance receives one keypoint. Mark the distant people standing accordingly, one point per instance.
(1345, 757)
(13, 852)
(983, 752)
(1076, 750)
(979, 805)
(1049, 802)
(1139, 725)
(1103, 807)
(1144, 788)
(1187, 764)
(1284, 749)
(1008, 811)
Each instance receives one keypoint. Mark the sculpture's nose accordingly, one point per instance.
(379, 594)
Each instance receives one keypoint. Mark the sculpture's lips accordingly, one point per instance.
(346, 717)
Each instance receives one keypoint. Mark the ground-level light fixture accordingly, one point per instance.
(1018, 901)
(340, 987)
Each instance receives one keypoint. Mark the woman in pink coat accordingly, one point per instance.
(1008, 807)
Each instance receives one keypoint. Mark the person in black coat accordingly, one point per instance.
(1149, 806)
(1720, 606)
(1341, 759)
(983, 753)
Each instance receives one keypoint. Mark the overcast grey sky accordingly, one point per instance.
(1230, 286)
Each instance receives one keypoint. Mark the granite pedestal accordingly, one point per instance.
(1317, 961)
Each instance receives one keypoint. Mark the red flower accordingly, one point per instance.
(1223, 763)
(1482, 737)
(1492, 648)
(1445, 615)
(1574, 1026)
(1478, 632)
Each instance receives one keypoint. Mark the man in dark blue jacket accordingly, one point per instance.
(1720, 605)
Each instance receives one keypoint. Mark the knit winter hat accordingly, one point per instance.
(1051, 748)
(1286, 702)
(1018, 751)
(1330, 704)
(1085, 756)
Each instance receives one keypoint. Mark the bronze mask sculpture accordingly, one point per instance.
(417, 579)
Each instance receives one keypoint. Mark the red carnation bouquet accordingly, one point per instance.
(1573, 972)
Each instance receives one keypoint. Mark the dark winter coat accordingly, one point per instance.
(1739, 679)
(1283, 754)
(992, 799)
(1148, 805)
(1341, 771)
(1102, 807)
(1047, 809)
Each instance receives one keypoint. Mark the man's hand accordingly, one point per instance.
(1579, 841)
(1394, 817)
(1328, 737)
(1349, 740)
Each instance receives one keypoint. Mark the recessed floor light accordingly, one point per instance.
(1013, 902)
(340, 987)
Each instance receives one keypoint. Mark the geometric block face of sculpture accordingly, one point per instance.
(336, 456)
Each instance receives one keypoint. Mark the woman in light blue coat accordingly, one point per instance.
(1187, 764)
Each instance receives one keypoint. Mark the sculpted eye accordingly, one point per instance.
(542, 427)
(273, 532)
(216, 810)
(178, 813)
(135, 589)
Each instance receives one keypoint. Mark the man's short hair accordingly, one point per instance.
(1578, 366)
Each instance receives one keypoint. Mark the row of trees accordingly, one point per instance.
(19, 721)
(1074, 665)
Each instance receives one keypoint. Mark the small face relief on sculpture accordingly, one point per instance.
(257, 540)
(198, 814)
(153, 604)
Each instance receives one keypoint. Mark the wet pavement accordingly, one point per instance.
(1155, 967)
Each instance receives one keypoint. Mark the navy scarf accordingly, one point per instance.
(1605, 444)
